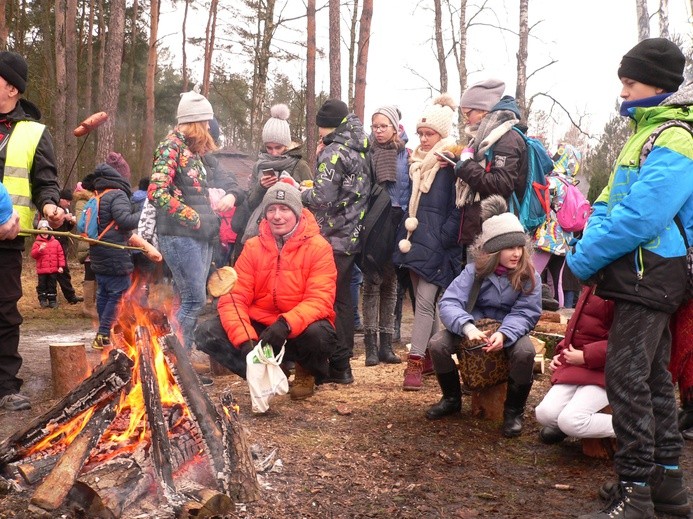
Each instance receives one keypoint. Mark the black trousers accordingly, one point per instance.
(64, 278)
(311, 349)
(10, 319)
(47, 287)
(640, 391)
(344, 310)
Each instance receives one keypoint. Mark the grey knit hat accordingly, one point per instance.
(276, 128)
(285, 194)
(499, 229)
(483, 95)
(391, 113)
(194, 107)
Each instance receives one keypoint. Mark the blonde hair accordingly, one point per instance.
(521, 277)
(197, 137)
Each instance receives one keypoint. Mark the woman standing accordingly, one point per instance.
(186, 225)
(390, 169)
(429, 247)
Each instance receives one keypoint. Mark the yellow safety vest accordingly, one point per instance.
(21, 149)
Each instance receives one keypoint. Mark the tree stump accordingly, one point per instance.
(602, 448)
(69, 366)
(488, 404)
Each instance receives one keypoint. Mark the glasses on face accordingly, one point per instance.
(467, 113)
(425, 134)
(380, 127)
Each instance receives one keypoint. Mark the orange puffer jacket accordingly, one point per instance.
(297, 283)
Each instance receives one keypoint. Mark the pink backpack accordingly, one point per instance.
(575, 210)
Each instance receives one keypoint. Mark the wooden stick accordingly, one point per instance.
(52, 492)
(80, 237)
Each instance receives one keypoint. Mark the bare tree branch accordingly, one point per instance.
(542, 68)
(556, 102)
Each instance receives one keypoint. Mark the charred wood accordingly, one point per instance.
(241, 484)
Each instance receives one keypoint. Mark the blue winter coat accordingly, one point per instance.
(435, 254)
(400, 190)
(518, 312)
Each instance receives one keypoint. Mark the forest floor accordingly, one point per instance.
(363, 450)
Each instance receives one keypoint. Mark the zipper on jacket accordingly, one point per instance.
(639, 268)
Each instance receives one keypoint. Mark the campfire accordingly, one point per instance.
(139, 435)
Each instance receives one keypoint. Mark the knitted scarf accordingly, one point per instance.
(385, 160)
(490, 130)
(277, 163)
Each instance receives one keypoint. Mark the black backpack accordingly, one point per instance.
(377, 233)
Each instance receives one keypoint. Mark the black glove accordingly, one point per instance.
(276, 333)
(246, 347)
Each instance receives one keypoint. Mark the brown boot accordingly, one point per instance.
(89, 305)
(304, 384)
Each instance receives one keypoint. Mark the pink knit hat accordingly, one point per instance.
(117, 162)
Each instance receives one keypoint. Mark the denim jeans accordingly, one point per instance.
(189, 261)
(109, 290)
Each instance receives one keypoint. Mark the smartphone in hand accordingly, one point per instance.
(444, 157)
(270, 173)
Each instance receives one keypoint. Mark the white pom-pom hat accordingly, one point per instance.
(276, 128)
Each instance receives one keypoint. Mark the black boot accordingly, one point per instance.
(370, 339)
(515, 400)
(385, 353)
(451, 402)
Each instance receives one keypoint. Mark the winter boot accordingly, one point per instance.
(451, 402)
(89, 306)
(515, 400)
(52, 300)
(304, 384)
(427, 368)
(632, 502)
(413, 376)
(340, 376)
(668, 491)
(370, 339)
(100, 342)
(43, 301)
(385, 353)
(551, 434)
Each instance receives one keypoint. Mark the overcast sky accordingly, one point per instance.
(586, 37)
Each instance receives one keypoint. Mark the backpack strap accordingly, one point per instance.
(650, 142)
(112, 222)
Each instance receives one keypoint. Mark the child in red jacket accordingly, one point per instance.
(572, 405)
(50, 261)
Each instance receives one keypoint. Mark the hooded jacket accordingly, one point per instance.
(297, 282)
(43, 175)
(339, 198)
(50, 258)
(504, 171)
(632, 246)
(113, 206)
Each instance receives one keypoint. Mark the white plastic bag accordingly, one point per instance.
(264, 375)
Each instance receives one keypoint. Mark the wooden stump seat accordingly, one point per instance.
(602, 448)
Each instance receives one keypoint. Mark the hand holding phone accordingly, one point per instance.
(444, 157)
(270, 173)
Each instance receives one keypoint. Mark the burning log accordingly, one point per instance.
(52, 492)
(105, 382)
(34, 471)
(161, 447)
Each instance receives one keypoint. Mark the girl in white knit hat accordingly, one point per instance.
(509, 291)
(428, 239)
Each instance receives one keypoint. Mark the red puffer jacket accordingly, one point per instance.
(587, 330)
(297, 283)
(48, 254)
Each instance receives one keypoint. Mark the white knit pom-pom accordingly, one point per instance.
(404, 246)
(411, 223)
(280, 111)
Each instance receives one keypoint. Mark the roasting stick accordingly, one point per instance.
(136, 242)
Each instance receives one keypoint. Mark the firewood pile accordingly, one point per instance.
(138, 436)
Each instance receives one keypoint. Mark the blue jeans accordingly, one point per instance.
(189, 261)
(109, 291)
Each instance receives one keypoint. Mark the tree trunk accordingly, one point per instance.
(101, 60)
(71, 87)
(362, 58)
(111, 91)
(266, 28)
(352, 50)
(129, 140)
(335, 56)
(60, 86)
(185, 56)
(643, 19)
(521, 89)
(209, 45)
(89, 72)
(4, 31)
(148, 130)
(664, 18)
(440, 48)
(311, 130)
(459, 49)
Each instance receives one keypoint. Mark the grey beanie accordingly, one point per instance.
(276, 128)
(194, 107)
(500, 229)
(285, 194)
(391, 113)
(483, 95)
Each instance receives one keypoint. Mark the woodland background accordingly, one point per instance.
(106, 55)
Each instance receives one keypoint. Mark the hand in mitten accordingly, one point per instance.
(276, 333)
(246, 347)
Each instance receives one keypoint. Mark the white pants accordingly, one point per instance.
(575, 410)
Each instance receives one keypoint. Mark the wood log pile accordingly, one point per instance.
(187, 460)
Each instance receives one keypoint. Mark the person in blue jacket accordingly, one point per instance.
(634, 250)
(510, 292)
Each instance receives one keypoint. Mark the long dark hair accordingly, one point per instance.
(521, 277)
